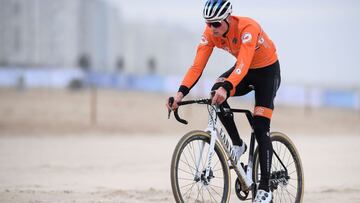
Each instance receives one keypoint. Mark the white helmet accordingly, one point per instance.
(217, 10)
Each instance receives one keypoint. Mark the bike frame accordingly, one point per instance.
(245, 181)
(217, 133)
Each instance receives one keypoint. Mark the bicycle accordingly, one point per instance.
(200, 171)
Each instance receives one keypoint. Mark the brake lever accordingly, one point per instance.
(170, 102)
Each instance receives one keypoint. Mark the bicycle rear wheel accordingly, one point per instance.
(287, 177)
(188, 182)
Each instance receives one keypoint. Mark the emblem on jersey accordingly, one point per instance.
(259, 111)
(238, 70)
(203, 40)
(261, 40)
(246, 37)
(235, 40)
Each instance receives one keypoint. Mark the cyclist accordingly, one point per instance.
(257, 68)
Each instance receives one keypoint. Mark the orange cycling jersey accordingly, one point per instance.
(245, 40)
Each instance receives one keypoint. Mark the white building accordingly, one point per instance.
(57, 33)
(170, 47)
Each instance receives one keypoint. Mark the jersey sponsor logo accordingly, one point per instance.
(259, 111)
(263, 111)
(238, 70)
(235, 40)
(203, 40)
(246, 37)
(261, 41)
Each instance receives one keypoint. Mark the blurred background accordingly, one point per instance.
(138, 45)
(119, 46)
(106, 67)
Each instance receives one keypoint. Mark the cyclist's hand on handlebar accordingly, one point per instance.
(219, 97)
(178, 97)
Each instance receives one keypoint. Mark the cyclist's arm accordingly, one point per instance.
(247, 49)
(203, 53)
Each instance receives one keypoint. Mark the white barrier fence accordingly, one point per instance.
(297, 95)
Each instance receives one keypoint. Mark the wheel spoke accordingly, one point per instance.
(215, 191)
(186, 159)
(194, 154)
(289, 194)
(187, 185)
(199, 191)
(190, 192)
(293, 186)
(186, 179)
(191, 155)
(283, 157)
(288, 160)
(217, 170)
(186, 172)
(217, 186)
(190, 167)
(216, 164)
(291, 173)
(211, 197)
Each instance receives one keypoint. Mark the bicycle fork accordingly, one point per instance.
(198, 161)
(212, 131)
(210, 154)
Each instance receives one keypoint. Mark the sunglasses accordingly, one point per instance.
(214, 24)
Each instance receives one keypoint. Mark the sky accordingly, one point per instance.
(317, 40)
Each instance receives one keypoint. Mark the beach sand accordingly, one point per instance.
(52, 151)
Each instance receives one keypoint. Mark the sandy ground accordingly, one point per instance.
(50, 151)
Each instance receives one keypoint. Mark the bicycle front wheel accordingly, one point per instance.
(188, 171)
(287, 176)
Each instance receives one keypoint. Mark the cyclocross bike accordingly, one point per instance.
(201, 163)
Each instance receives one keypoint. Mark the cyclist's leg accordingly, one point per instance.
(228, 119)
(266, 82)
(261, 129)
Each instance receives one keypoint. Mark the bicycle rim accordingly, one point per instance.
(183, 170)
